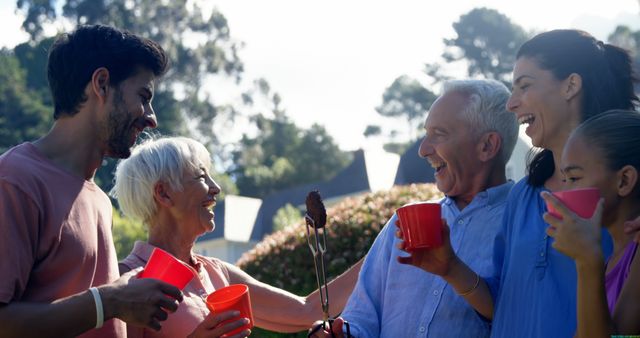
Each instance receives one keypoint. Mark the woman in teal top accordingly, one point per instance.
(560, 79)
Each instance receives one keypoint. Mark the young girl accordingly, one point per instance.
(603, 152)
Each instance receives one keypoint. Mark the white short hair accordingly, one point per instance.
(157, 159)
(487, 111)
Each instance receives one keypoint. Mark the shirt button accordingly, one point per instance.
(435, 292)
(461, 222)
(422, 329)
(541, 253)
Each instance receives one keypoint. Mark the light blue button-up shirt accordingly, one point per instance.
(395, 300)
(534, 285)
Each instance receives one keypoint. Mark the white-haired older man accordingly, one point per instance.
(469, 138)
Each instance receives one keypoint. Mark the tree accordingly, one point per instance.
(624, 37)
(125, 233)
(24, 115)
(282, 155)
(487, 41)
(372, 130)
(406, 98)
(397, 147)
(199, 47)
(227, 185)
(286, 216)
(33, 59)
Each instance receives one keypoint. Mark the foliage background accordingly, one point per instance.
(283, 258)
(126, 232)
(269, 159)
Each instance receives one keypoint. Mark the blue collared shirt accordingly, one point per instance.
(395, 300)
(534, 285)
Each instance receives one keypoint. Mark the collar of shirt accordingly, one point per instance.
(490, 197)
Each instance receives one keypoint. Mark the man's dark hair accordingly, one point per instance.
(75, 56)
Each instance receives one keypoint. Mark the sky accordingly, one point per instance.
(331, 60)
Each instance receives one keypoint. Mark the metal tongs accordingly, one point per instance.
(316, 219)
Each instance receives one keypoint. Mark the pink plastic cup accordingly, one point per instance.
(581, 201)
(165, 267)
(232, 297)
(421, 225)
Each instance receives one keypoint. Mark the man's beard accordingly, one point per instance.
(120, 128)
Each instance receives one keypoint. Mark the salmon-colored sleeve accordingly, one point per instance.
(19, 227)
(135, 331)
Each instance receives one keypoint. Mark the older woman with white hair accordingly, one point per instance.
(166, 184)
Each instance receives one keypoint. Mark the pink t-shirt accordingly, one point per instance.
(212, 275)
(55, 233)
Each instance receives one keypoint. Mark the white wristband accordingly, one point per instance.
(99, 309)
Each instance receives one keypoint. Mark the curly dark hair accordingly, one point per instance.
(75, 56)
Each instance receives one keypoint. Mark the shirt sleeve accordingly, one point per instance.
(130, 262)
(19, 225)
(363, 309)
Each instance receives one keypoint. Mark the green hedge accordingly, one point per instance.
(283, 259)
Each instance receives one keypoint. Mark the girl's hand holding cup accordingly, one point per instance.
(577, 236)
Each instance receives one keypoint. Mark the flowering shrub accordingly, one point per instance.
(283, 258)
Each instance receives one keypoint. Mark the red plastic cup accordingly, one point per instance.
(421, 225)
(165, 267)
(581, 201)
(232, 297)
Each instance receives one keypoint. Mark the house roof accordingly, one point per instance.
(369, 171)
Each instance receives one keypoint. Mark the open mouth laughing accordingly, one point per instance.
(528, 119)
(437, 165)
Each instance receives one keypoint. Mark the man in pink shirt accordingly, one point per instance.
(58, 267)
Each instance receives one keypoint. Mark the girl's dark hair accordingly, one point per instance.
(616, 133)
(75, 56)
(607, 79)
